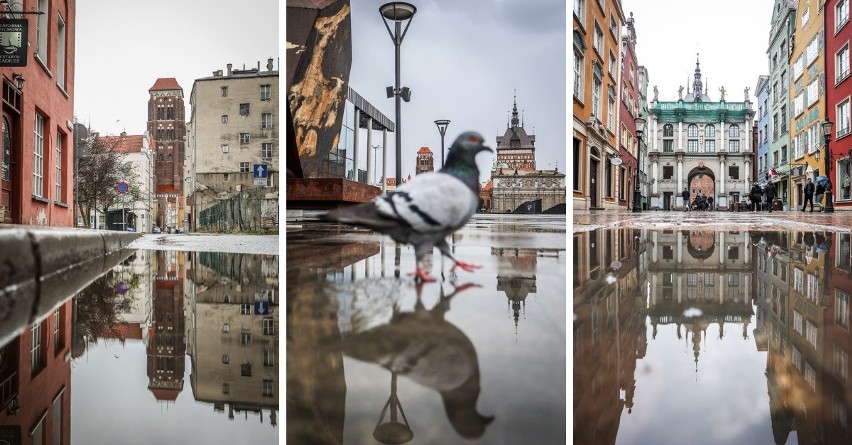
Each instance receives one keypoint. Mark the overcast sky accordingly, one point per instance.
(732, 37)
(123, 47)
(463, 61)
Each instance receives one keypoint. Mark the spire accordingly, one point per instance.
(697, 86)
(515, 111)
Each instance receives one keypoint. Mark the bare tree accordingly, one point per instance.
(99, 170)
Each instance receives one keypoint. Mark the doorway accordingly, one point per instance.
(6, 192)
(667, 200)
(593, 186)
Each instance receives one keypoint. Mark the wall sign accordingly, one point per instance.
(13, 42)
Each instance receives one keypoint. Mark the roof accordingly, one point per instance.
(124, 143)
(165, 84)
(523, 139)
(488, 186)
(424, 150)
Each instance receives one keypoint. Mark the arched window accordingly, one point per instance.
(668, 130)
(734, 131)
(709, 131)
(692, 131)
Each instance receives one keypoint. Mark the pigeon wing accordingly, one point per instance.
(431, 203)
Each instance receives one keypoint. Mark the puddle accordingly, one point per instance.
(705, 336)
(160, 344)
(476, 358)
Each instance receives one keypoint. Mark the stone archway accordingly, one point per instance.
(701, 179)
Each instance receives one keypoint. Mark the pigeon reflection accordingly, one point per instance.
(427, 349)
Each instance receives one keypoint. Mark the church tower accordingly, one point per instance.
(167, 126)
(516, 148)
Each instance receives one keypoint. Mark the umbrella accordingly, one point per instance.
(822, 180)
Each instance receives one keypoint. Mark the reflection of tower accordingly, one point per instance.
(166, 349)
(167, 125)
(516, 277)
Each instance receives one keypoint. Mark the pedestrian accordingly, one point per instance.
(709, 203)
(818, 192)
(770, 195)
(754, 195)
(685, 195)
(809, 195)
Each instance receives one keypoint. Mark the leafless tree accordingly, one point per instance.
(99, 170)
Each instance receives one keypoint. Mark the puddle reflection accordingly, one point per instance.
(129, 342)
(374, 358)
(671, 325)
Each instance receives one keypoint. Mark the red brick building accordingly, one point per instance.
(425, 161)
(167, 125)
(37, 118)
(838, 90)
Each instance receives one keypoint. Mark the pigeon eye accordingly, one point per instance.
(473, 139)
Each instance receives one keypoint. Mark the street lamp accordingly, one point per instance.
(826, 133)
(442, 128)
(375, 165)
(398, 12)
(637, 192)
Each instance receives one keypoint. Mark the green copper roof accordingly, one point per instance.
(700, 111)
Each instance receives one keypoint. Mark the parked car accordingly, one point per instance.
(156, 229)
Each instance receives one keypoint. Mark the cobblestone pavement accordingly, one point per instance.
(587, 220)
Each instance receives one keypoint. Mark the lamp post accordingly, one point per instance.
(442, 128)
(637, 193)
(375, 165)
(398, 12)
(826, 133)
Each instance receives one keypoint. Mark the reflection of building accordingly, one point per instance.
(234, 150)
(693, 138)
(235, 339)
(609, 329)
(516, 276)
(167, 127)
(35, 382)
(166, 348)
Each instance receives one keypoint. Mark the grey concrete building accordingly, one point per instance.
(233, 150)
(701, 145)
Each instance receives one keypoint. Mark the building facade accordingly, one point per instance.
(166, 124)
(761, 91)
(700, 145)
(628, 144)
(837, 97)
(36, 177)
(778, 100)
(425, 162)
(133, 210)
(234, 146)
(642, 142)
(596, 63)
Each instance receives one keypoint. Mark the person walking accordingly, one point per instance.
(685, 195)
(809, 195)
(770, 195)
(709, 203)
(754, 195)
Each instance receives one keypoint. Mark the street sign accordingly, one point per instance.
(261, 303)
(261, 173)
(122, 187)
(121, 288)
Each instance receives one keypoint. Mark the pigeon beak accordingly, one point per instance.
(484, 148)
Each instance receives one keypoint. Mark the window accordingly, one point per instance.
(578, 75)
(692, 131)
(598, 42)
(226, 177)
(668, 146)
(578, 167)
(57, 417)
(269, 357)
(710, 131)
(266, 121)
(734, 131)
(668, 172)
(59, 161)
(225, 148)
(226, 328)
(245, 138)
(784, 153)
(734, 146)
(268, 386)
(266, 150)
(783, 119)
(226, 359)
(38, 156)
(245, 309)
(244, 167)
(244, 109)
(224, 91)
(41, 32)
(805, 16)
(226, 388)
(245, 339)
(596, 97)
(245, 369)
(60, 53)
(609, 180)
(37, 431)
(843, 118)
(668, 131)
(268, 326)
(734, 172)
(841, 65)
(841, 14)
(709, 146)
(692, 145)
(36, 357)
(57, 333)
(579, 8)
(613, 65)
(224, 118)
(841, 308)
(841, 365)
(265, 92)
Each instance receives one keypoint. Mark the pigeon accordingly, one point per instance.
(425, 210)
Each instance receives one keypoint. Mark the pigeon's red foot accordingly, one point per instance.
(422, 276)
(468, 267)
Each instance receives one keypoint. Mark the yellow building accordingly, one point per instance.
(806, 86)
(597, 54)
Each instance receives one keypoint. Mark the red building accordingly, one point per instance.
(38, 115)
(628, 145)
(425, 161)
(167, 125)
(838, 90)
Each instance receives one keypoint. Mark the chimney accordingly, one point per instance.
(229, 69)
(269, 65)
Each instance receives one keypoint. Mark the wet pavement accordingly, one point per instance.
(476, 357)
(148, 351)
(711, 328)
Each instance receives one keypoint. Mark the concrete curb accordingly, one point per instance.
(40, 267)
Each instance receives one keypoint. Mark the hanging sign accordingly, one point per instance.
(13, 42)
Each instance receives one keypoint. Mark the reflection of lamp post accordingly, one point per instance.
(826, 133)
(398, 12)
(442, 128)
(393, 431)
(637, 193)
(375, 165)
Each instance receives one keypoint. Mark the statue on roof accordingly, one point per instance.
(746, 93)
(680, 93)
(656, 93)
(722, 90)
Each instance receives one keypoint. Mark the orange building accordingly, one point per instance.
(597, 52)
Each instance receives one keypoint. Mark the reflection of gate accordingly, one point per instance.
(701, 180)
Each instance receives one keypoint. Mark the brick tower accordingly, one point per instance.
(167, 126)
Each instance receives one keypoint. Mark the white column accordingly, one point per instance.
(679, 176)
(679, 247)
(370, 150)
(355, 144)
(722, 174)
(747, 171)
(653, 289)
(655, 237)
(722, 250)
(384, 159)
(679, 288)
(680, 136)
(656, 174)
(654, 132)
(721, 288)
(746, 248)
